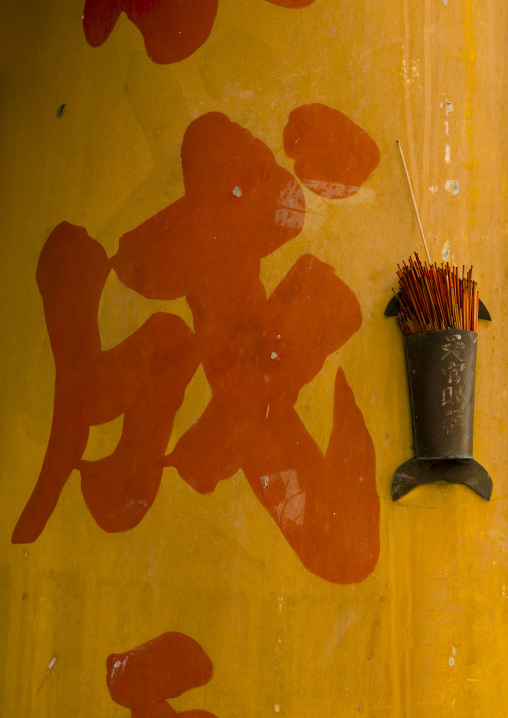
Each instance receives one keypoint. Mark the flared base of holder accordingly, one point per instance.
(416, 472)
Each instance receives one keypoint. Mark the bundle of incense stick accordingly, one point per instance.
(432, 298)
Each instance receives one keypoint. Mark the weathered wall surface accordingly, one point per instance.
(270, 544)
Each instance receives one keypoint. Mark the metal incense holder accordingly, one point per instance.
(441, 368)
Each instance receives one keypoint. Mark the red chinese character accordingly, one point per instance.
(257, 352)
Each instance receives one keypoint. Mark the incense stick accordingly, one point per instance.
(414, 202)
(431, 298)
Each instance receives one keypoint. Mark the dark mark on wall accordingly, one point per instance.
(60, 110)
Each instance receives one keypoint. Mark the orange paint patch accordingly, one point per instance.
(333, 156)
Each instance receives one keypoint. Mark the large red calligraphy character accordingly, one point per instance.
(257, 353)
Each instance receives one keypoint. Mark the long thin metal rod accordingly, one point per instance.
(414, 202)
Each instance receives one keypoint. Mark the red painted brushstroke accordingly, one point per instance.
(172, 29)
(143, 378)
(257, 352)
(163, 668)
(333, 156)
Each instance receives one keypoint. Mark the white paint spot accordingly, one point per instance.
(116, 667)
(446, 251)
(50, 665)
(237, 191)
(447, 127)
(26, 554)
(452, 186)
(403, 71)
(414, 74)
(288, 218)
(373, 397)
(292, 507)
(451, 660)
(274, 355)
(447, 155)
(454, 650)
(448, 107)
(291, 209)
(277, 707)
(445, 2)
(433, 188)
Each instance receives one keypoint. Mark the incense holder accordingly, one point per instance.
(441, 368)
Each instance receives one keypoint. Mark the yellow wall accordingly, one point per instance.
(215, 566)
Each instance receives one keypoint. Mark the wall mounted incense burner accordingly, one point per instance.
(441, 367)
